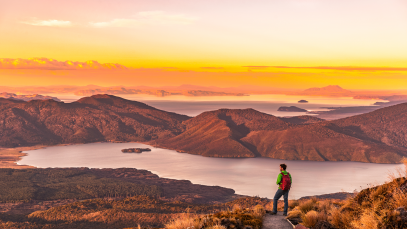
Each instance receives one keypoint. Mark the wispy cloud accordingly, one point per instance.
(348, 68)
(214, 68)
(50, 23)
(52, 64)
(148, 18)
(256, 67)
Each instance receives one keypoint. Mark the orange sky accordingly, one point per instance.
(358, 44)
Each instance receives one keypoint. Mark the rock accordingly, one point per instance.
(292, 109)
(303, 101)
(135, 150)
(323, 225)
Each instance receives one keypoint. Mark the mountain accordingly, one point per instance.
(291, 109)
(218, 133)
(378, 136)
(90, 119)
(26, 97)
(328, 90)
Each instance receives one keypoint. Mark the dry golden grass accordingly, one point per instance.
(236, 207)
(368, 220)
(293, 203)
(217, 227)
(340, 219)
(310, 218)
(236, 218)
(374, 207)
(259, 211)
(308, 205)
(184, 221)
(295, 213)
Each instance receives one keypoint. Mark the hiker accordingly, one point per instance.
(284, 181)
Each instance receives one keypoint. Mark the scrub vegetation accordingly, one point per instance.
(25, 185)
(146, 211)
(382, 206)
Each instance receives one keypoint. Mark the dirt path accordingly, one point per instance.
(276, 222)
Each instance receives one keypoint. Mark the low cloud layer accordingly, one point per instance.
(147, 18)
(49, 23)
(212, 68)
(348, 68)
(52, 64)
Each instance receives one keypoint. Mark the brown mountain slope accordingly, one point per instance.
(387, 125)
(218, 133)
(379, 136)
(91, 119)
(249, 133)
(320, 143)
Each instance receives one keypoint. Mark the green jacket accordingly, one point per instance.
(280, 177)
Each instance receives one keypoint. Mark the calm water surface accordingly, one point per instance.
(268, 104)
(250, 176)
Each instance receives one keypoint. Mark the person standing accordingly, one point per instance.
(284, 182)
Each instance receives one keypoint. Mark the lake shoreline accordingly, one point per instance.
(234, 173)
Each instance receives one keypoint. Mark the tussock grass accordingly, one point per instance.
(375, 207)
(308, 205)
(184, 221)
(237, 218)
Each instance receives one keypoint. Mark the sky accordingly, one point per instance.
(358, 44)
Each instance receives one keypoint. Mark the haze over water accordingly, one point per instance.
(247, 176)
(193, 106)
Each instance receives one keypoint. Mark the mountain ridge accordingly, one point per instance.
(378, 136)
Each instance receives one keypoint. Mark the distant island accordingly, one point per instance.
(27, 97)
(303, 101)
(292, 109)
(135, 150)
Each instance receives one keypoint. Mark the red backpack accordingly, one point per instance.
(285, 182)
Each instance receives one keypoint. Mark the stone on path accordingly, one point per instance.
(276, 222)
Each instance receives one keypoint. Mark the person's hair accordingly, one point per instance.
(284, 166)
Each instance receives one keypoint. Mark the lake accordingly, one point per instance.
(268, 104)
(247, 176)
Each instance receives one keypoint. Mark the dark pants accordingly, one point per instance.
(277, 196)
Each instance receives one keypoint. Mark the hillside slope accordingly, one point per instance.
(379, 136)
(90, 119)
(218, 133)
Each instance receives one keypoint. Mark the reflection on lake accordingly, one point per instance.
(249, 176)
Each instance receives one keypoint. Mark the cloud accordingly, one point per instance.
(147, 18)
(214, 68)
(50, 23)
(259, 67)
(347, 68)
(52, 64)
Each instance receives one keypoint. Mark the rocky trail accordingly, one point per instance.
(276, 222)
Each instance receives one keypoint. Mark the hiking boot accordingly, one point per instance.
(285, 214)
(273, 213)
